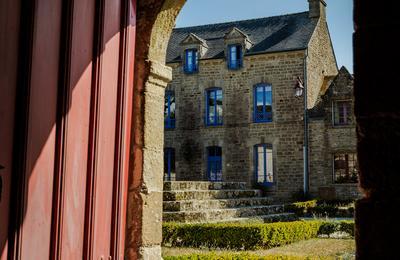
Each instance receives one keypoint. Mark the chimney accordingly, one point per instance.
(317, 9)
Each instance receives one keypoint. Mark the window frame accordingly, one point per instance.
(169, 123)
(334, 169)
(214, 159)
(239, 62)
(265, 118)
(348, 117)
(169, 153)
(216, 122)
(195, 60)
(265, 166)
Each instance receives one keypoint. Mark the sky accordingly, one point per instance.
(339, 16)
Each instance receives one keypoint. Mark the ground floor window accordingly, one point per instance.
(214, 163)
(345, 168)
(264, 166)
(169, 164)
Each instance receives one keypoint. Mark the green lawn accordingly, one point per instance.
(321, 248)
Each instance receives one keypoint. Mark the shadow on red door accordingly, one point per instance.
(65, 110)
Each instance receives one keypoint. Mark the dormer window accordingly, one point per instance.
(235, 56)
(191, 61)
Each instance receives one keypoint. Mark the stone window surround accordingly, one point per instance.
(349, 124)
(255, 162)
(195, 59)
(206, 110)
(339, 152)
(254, 104)
(239, 61)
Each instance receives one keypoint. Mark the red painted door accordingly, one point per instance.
(68, 131)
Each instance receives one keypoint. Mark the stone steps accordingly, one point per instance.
(196, 205)
(207, 202)
(221, 214)
(175, 195)
(203, 185)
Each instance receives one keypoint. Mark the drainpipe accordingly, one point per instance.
(305, 146)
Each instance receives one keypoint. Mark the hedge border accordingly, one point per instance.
(249, 236)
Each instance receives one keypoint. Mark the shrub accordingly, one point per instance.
(329, 227)
(347, 227)
(322, 208)
(301, 208)
(238, 236)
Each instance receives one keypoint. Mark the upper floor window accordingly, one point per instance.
(345, 168)
(213, 107)
(169, 110)
(263, 103)
(342, 112)
(235, 57)
(191, 61)
(264, 166)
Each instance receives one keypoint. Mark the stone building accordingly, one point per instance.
(231, 113)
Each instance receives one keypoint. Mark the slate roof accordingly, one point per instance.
(319, 111)
(271, 34)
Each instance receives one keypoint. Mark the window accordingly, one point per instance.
(263, 164)
(214, 163)
(342, 112)
(234, 57)
(345, 168)
(213, 107)
(262, 103)
(169, 110)
(191, 61)
(169, 164)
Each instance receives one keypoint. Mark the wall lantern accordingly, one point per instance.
(298, 88)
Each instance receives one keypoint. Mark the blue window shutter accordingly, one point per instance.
(196, 60)
(186, 61)
(229, 57)
(239, 56)
(206, 114)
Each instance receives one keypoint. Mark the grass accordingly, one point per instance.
(320, 248)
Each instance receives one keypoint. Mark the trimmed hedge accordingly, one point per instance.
(238, 236)
(329, 227)
(321, 208)
(231, 256)
(249, 236)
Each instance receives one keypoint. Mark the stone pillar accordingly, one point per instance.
(155, 21)
(152, 187)
(378, 128)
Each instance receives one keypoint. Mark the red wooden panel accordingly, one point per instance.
(9, 31)
(40, 147)
(106, 131)
(77, 131)
(125, 115)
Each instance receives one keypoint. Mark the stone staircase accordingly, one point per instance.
(196, 202)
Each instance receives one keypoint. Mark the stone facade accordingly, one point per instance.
(328, 139)
(239, 133)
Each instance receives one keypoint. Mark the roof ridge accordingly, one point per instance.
(237, 21)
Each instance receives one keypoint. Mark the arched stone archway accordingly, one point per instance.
(155, 21)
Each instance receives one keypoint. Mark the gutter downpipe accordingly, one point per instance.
(305, 146)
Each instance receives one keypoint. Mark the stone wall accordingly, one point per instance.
(321, 61)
